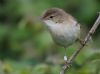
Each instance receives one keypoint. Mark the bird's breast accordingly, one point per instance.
(62, 34)
(65, 35)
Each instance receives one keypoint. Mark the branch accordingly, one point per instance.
(90, 33)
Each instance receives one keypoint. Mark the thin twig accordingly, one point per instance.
(90, 33)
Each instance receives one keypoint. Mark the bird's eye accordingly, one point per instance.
(51, 16)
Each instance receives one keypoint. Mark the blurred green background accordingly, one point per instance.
(27, 48)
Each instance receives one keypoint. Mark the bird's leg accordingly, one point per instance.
(65, 57)
(81, 41)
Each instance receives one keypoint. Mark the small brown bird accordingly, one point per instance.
(64, 28)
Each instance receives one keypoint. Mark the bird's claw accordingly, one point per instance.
(81, 42)
(68, 64)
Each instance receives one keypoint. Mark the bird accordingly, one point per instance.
(63, 27)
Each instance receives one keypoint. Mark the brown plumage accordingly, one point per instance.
(59, 13)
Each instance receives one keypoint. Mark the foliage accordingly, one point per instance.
(27, 48)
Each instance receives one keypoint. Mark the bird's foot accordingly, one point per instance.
(67, 64)
(81, 41)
